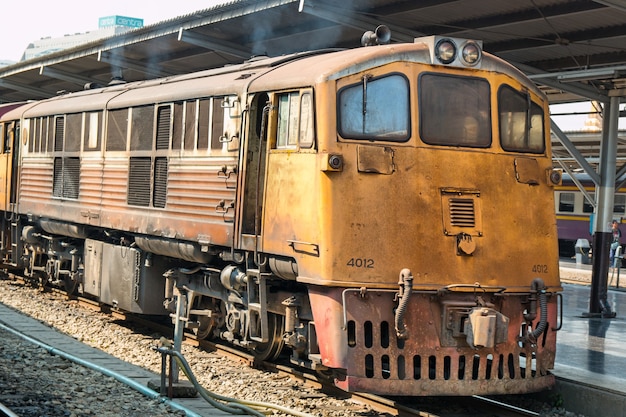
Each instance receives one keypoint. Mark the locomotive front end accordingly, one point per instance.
(439, 253)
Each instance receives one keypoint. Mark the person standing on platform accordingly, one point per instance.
(616, 242)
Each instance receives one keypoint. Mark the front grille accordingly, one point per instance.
(462, 212)
(437, 368)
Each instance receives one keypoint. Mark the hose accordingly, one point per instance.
(120, 378)
(234, 406)
(406, 287)
(6, 412)
(537, 286)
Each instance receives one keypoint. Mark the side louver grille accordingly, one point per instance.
(66, 178)
(160, 182)
(147, 182)
(139, 181)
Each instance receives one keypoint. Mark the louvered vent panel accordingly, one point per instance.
(160, 182)
(57, 187)
(462, 212)
(59, 130)
(163, 128)
(139, 182)
(71, 177)
(66, 178)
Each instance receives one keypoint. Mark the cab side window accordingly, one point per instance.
(295, 120)
(4, 134)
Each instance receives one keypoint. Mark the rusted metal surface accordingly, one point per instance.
(194, 191)
(427, 363)
(35, 186)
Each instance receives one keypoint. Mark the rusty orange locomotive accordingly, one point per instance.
(384, 215)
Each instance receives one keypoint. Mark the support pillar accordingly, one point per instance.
(598, 304)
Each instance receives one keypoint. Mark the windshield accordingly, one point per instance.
(454, 111)
(375, 109)
(521, 122)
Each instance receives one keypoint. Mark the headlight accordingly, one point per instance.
(555, 176)
(470, 53)
(454, 52)
(445, 51)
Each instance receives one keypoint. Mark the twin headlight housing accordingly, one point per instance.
(454, 52)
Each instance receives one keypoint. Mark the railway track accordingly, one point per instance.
(513, 410)
(381, 405)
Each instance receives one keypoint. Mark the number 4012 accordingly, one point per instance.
(360, 263)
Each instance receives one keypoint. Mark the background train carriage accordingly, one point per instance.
(352, 205)
(575, 211)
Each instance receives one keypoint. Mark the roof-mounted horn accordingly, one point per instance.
(380, 36)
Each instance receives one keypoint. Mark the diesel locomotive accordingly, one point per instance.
(383, 215)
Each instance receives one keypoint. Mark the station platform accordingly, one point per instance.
(592, 350)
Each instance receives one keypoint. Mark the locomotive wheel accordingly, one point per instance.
(271, 350)
(40, 279)
(70, 285)
(205, 330)
(206, 324)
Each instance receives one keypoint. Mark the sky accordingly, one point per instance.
(567, 116)
(572, 117)
(55, 18)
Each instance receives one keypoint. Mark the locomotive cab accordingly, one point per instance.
(428, 156)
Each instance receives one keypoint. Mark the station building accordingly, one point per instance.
(107, 26)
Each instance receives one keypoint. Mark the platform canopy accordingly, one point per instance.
(574, 49)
